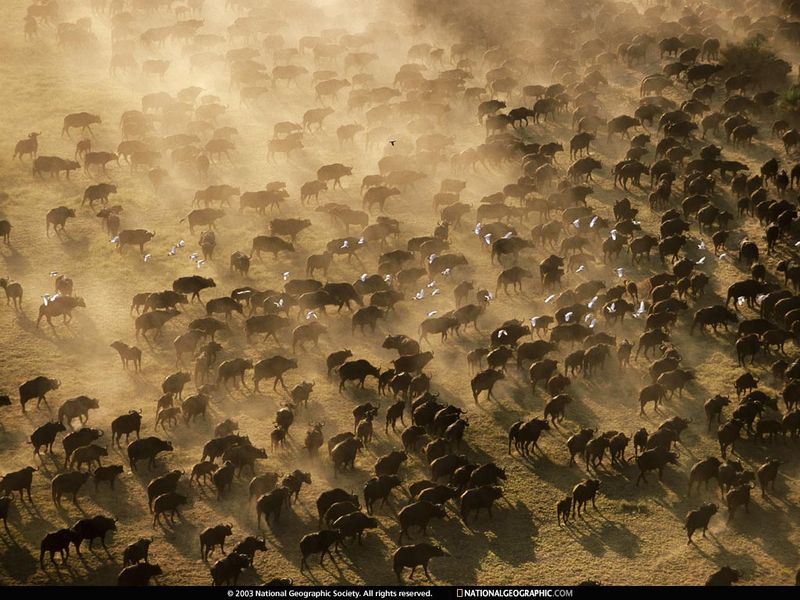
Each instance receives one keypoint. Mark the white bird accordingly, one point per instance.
(285, 275)
(115, 239)
(436, 292)
(311, 315)
(549, 298)
(533, 321)
(593, 323)
(194, 256)
(478, 228)
(592, 302)
(508, 235)
(173, 251)
(361, 241)
(279, 303)
(345, 244)
(568, 316)
(53, 273)
(446, 272)
(614, 234)
(487, 238)
(588, 317)
(580, 269)
(431, 258)
(146, 258)
(576, 223)
(419, 295)
(613, 308)
(387, 278)
(641, 308)
(200, 263)
(740, 300)
(364, 277)
(701, 245)
(46, 299)
(593, 221)
(489, 296)
(182, 243)
(502, 333)
(797, 244)
(619, 271)
(760, 298)
(433, 312)
(432, 284)
(701, 260)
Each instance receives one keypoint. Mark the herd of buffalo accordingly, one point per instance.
(676, 209)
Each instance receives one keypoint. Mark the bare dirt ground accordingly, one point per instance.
(635, 536)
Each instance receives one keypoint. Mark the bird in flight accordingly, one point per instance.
(392, 142)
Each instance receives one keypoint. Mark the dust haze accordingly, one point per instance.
(194, 95)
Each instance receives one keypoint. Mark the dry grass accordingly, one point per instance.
(635, 536)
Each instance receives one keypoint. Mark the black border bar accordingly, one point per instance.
(410, 592)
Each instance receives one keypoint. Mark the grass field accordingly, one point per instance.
(635, 537)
